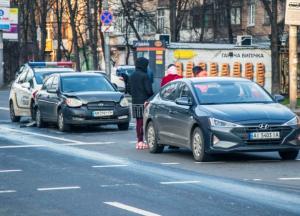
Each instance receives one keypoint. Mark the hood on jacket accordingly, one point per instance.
(142, 64)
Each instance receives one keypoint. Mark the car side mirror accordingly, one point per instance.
(26, 85)
(184, 101)
(279, 98)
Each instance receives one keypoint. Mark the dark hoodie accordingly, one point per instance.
(140, 86)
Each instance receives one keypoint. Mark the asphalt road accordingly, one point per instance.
(98, 171)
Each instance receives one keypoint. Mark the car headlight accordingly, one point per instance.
(124, 103)
(294, 121)
(220, 123)
(73, 102)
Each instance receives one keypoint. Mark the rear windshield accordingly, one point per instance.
(85, 83)
(40, 76)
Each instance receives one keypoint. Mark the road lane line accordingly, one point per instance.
(256, 179)
(21, 146)
(131, 209)
(9, 171)
(87, 143)
(171, 163)
(40, 135)
(4, 108)
(58, 188)
(179, 182)
(287, 179)
(213, 162)
(8, 191)
(118, 185)
(110, 166)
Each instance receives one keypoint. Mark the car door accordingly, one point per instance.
(181, 117)
(20, 90)
(43, 98)
(162, 113)
(53, 99)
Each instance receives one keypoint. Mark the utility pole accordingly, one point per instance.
(107, 46)
(293, 63)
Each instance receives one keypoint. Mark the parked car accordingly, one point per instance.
(118, 81)
(29, 80)
(125, 71)
(220, 115)
(81, 99)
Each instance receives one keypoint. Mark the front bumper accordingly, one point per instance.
(238, 140)
(84, 116)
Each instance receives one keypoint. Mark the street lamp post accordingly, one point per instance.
(106, 46)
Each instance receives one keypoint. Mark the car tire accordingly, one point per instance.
(62, 126)
(12, 114)
(39, 121)
(288, 155)
(198, 147)
(151, 139)
(123, 126)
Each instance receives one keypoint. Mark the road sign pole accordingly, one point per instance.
(1, 60)
(107, 47)
(293, 62)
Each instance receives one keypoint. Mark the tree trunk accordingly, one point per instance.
(59, 13)
(43, 26)
(94, 45)
(228, 21)
(173, 5)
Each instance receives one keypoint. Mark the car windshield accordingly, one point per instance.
(40, 76)
(224, 92)
(85, 83)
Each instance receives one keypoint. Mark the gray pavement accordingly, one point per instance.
(98, 171)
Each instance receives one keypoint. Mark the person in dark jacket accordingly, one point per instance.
(140, 88)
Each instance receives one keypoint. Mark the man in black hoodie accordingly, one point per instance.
(140, 88)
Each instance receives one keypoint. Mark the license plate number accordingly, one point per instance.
(265, 135)
(103, 113)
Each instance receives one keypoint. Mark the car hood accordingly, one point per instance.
(88, 97)
(250, 113)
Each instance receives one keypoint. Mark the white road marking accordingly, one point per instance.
(21, 146)
(180, 182)
(287, 179)
(171, 163)
(132, 142)
(58, 188)
(87, 143)
(256, 179)
(4, 108)
(9, 171)
(131, 209)
(40, 135)
(110, 166)
(8, 191)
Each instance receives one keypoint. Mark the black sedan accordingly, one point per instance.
(81, 99)
(219, 115)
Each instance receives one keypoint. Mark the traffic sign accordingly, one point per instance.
(107, 28)
(4, 19)
(106, 17)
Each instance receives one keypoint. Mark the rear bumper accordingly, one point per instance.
(84, 116)
(231, 140)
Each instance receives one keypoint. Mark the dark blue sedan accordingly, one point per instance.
(218, 115)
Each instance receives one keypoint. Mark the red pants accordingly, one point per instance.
(139, 129)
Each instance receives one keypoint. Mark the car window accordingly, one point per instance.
(55, 83)
(184, 91)
(169, 92)
(22, 77)
(48, 83)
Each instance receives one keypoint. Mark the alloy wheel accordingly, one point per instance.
(197, 144)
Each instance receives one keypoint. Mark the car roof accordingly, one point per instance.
(215, 79)
(125, 67)
(80, 74)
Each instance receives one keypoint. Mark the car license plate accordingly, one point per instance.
(103, 113)
(265, 135)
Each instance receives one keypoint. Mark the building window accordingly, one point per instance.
(119, 23)
(186, 21)
(251, 14)
(161, 20)
(235, 15)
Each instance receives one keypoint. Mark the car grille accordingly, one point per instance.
(243, 133)
(101, 105)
